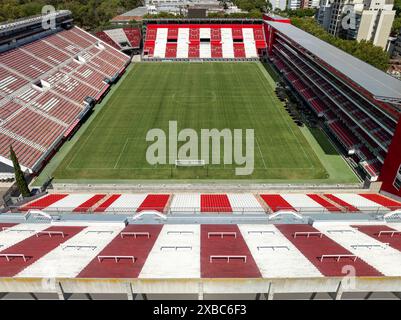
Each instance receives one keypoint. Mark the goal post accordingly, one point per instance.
(190, 163)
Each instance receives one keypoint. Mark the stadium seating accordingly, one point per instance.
(10, 82)
(193, 51)
(239, 50)
(106, 38)
(203, 41)
(43, 202)
(172, 34)
(182, 42)
(225, 253)
(45, 133)
(133, 241)
(215, 203)
(118, 36)
(216, 51)
(121, 38)
(134, 36)
(318, 247)
(156, 202)
(231, 203)
(43, 89)
(34, 244)
(171, 50)
(372, 168)
(352, 124)
(22, 63)
(344, 136)
(317, 105)
(193, 251)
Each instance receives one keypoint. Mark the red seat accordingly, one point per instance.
(193, 51)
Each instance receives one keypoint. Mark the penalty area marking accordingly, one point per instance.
(260, 151)
(121, 152)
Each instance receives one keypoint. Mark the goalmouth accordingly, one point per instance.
(190, 163)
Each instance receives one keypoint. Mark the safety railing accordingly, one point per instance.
(224, 210)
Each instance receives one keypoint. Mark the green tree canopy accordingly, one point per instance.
(19, 175)
(364, 50)
(87, 13)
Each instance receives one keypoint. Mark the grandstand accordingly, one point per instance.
(195, 203)
(124, 39)
(49, 80)
(249, 259)
(358, 103)
(215, 40)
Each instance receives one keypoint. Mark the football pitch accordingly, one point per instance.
(197, 96)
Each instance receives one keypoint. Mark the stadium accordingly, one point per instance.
(319, 217)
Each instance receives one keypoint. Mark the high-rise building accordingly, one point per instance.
(305, 4)
(278, 4)
(301, 4)
(358, 19)
(293, 4)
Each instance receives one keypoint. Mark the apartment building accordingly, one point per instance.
(358, 19)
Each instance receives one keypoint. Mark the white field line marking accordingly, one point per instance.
(121, 153)
(115, 94)
(260, 151)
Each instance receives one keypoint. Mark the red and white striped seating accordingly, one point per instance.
(230, 203)
(193, 251)
(194, 41)
(134, 36)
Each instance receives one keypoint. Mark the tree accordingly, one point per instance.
(396, 25)
(19, 175)
(269, 6)
(87, 13)
(248, 5)
(397, 7)
(364, 50)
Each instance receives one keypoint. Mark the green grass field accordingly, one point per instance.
(197, 96)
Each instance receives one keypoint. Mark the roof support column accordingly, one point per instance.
(313, 295)
(2, 295)
(60, 292)
(200, 291)
(33, 296)
(338, 294)
(270, 293)
(130, 292)
(368, 296)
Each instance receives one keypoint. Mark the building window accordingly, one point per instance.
(397, 179)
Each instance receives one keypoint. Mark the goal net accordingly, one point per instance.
(189, 163)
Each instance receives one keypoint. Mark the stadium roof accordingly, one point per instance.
(377, 82)
(30, 20)
(139, 11)
(132, 14)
